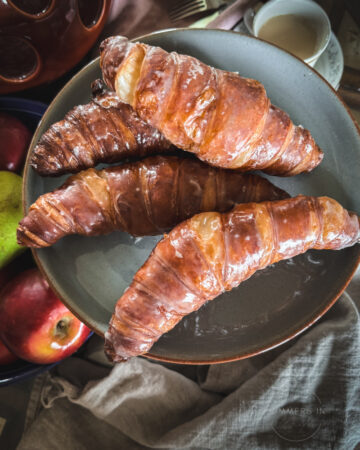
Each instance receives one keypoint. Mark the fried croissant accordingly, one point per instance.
(104, 130)
(212, 253)
(226, 120)
(142, 198)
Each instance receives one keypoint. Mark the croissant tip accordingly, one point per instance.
(20, 235)
(112, 40)
(45, 164)
(112, 49)
(45, 171)
(111, 353)
(26, 238)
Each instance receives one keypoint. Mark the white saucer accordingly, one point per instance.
(330, 64)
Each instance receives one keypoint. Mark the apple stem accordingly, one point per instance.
(62, 327)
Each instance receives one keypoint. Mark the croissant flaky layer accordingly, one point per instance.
(211, 253)
(104, 130)
(143, 198)
(226, 120)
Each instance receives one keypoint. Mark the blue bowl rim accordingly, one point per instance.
(25, 105)
(12, 375)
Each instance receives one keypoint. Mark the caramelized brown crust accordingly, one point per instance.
(104, 130)
(211, 253)
(162, 191)
(226, 120)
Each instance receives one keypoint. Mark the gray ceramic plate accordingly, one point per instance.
(277, 303)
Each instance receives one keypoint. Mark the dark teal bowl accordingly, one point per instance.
(277, 303)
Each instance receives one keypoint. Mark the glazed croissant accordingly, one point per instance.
(226, 120)
(142, 198)
(104, 130)
(212, 253)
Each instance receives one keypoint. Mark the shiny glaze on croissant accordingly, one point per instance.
(143, 198)
(104, 130)
(212, 253)
(225, 119)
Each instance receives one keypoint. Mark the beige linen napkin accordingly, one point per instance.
(305, 394)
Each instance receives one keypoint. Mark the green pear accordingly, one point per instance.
(10, 215)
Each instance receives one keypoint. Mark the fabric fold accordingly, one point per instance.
(305, 392)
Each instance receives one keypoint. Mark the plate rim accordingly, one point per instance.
(215, 360)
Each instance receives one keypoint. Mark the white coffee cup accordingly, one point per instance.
(303, 8)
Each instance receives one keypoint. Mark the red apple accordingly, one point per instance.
(34, 324)
(14, 142)
(6, 357)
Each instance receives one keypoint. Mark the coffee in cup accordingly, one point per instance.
(299, 26)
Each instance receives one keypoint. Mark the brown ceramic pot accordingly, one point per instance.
(42, 39)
